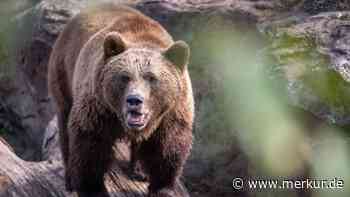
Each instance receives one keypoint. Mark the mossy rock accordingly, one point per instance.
(309, 78)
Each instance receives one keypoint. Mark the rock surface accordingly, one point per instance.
(322, 40)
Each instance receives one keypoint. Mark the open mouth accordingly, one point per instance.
(136, 119)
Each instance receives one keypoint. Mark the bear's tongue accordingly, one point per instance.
(135, 118)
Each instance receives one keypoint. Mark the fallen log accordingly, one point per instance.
(19, 178)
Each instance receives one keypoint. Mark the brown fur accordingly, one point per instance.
(90, 102)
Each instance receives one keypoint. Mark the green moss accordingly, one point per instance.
(299, 62)
(331, 89)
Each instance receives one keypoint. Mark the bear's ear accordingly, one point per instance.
(113, 45)
(178, 54)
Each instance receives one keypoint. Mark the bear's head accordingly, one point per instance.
(142, 84)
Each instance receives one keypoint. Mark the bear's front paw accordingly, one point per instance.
(136, 172)
(163, 193)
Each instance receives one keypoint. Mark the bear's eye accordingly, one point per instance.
(151, 78)
(125, 78)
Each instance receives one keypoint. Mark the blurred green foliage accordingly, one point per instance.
(241, 85)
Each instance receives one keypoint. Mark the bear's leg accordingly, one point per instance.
(88, 162)
(92, 135)
(164, 155)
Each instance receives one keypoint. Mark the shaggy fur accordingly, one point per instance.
(102, 55)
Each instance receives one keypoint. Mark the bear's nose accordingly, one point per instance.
(134, 100)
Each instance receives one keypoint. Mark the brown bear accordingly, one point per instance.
(115, 73)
